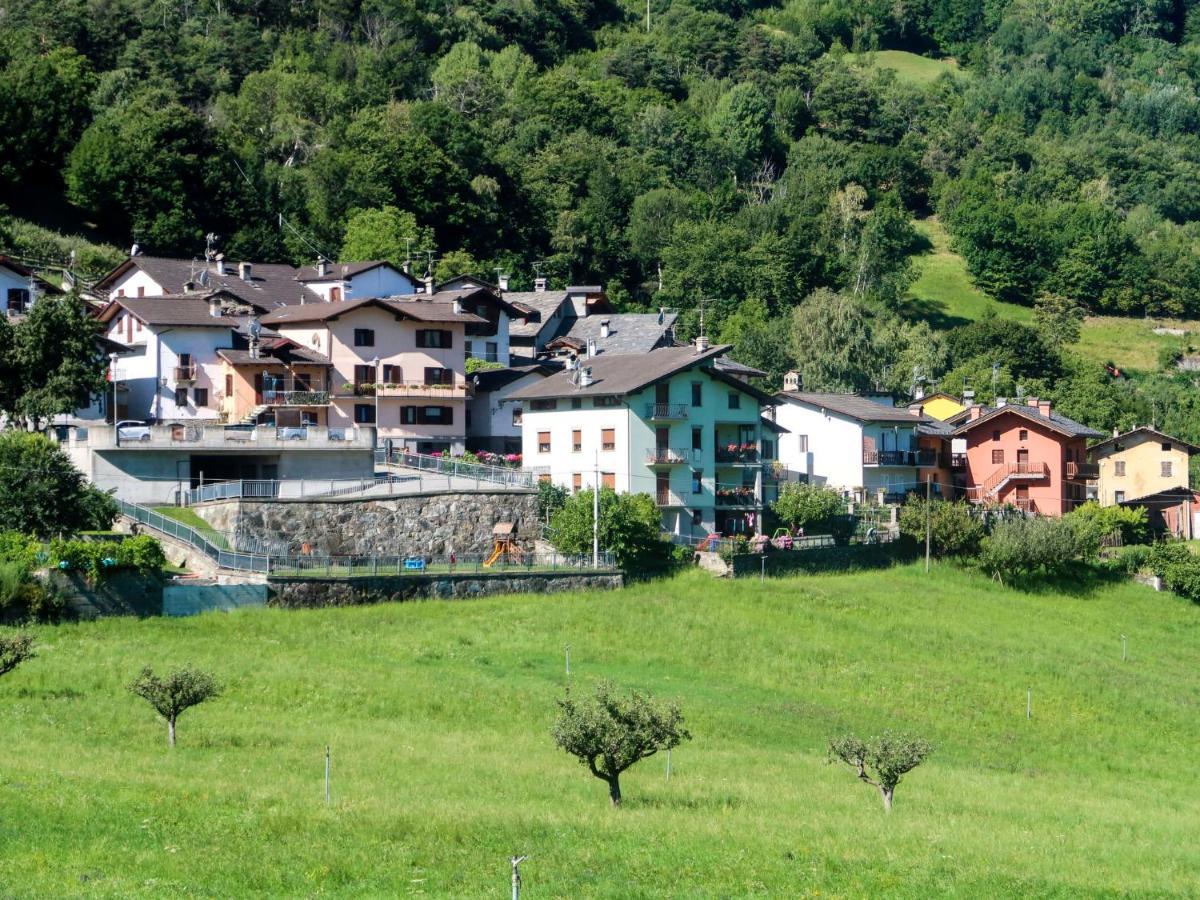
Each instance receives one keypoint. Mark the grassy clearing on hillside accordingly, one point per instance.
(909, 67)
(439, 715)
(193, 520)
(1132, 343)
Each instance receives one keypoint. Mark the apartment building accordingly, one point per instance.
(668, 423)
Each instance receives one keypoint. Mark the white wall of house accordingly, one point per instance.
(15, 291)
(492, 417)
(382, 281)
(479, 346)
(136, 280)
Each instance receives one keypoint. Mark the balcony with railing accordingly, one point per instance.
(668, 456)
(294, 398)
(1020, 471)
(746, 454)
(237, 438)
(899, 457)
(668, 498)
(665, 412)
(742, 497)
(459, 390)
(185, 373)
(485, 355)
(1082, 471)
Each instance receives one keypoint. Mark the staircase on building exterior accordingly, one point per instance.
(251, 418)
(1009, 473)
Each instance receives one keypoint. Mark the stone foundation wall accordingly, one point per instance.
(297, 593)
(117, 594)
(427, 524)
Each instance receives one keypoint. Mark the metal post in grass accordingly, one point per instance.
(763, 576)
(1029, 704)
(327, 774)
(668, 764)
(1124, 649)
(568, 650)
(516, 876)
(928, 515)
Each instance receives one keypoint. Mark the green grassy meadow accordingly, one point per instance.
(438, 714)
(909, 67)
(944, 295)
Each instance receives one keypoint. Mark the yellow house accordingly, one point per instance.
(938, 406)
(1139, 463)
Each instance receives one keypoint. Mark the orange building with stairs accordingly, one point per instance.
(1023, 455)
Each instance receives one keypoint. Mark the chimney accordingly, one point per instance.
(254, 348)
(503, 282)
(458, 306)
(604, 328)
(976, 412)
(1032, 401)
(1043, 407)
(585, 377)
(214, 307)
(220, 261)
(322, 266)
(591, 347)
(244, 271)
(429, 286)
(791, 381)
(1001, 401)
(702, 343)
(539, 285)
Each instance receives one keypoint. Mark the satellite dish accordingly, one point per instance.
(202, 278)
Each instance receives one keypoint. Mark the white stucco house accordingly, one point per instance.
(20, 287)
(862, 446)
(494, 424)
(667, 423)
(356, 281)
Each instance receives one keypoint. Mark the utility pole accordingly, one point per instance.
(116, 434)
(928, 517)
(596, 514)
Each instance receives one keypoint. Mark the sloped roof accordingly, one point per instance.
(543, 304)
(854, 406)
(1055, 421)
(627, 332)
(1165, 497)
(625, 373)
(274, 350)
(494, 379)
(171, 310)
(270, 284)
(1147, 431)
(339, 271)
(425, 310)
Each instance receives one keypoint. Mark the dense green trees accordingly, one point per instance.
(41, 491)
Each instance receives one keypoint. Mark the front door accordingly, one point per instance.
(662, 393)
(1022, 460)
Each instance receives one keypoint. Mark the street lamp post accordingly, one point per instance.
(375, 375)
(113, 370)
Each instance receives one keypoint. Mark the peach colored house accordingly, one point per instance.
(278, 381)
(1026, 456)
(402, 360)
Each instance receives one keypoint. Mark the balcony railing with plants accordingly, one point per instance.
(295, 398)
(667, 456)
(736, 496)
(459, 389)
(737, 453)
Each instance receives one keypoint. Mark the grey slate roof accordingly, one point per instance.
(340, 271)
(627, 332)
(854, 406)
(173, 310)
(615, 374)
(1056, 421)
(1149, 432)
(424, 310)
(270, 284)
(543, 304)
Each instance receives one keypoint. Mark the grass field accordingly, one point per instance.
(944, 295)
(193, 520)
(438, 714)
(909, 67)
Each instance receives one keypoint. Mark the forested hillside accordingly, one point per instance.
(745, 152)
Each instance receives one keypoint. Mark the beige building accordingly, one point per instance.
(1139, 463)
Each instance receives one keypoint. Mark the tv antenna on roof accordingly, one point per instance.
(210, 245)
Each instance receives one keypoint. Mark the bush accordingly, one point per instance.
(954, 529)
(41, 491)
(1178, 567)
(1022, 546)
(630, 529)
(141, 553)
(99, 508)
(809, 507)
(1093, 523)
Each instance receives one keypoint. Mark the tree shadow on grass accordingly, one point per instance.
(1077, 580)
(675, 802)
(924, 309)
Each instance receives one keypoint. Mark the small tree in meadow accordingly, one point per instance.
(881, 761)
(608, 733)
(15, 648)
(954, 529)
(178, 691)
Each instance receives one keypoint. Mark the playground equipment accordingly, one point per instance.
(782, 539)
(506, 546)
(709, 543)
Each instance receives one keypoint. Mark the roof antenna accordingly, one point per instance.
(702, 338)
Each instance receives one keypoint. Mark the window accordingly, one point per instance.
(997, 457)
(768, 449)
(608, 480)
(364, 413)
(468, 418)
(364, 337)
(697, 518)
(697, 483)
(1023, 434)
(608, 439)
(391, 374)
(1119, 468)
(408, 415)
(518, 414)
(435, 415)
(1166, 469)
(431, 337)
(697, 393)
(181, 396)
(802, 442)
(1118, 496)
(18, 299)
(438, 375)
(364, 375)
(576, 403)
(576, 440)
(200, 395)
(697, 439)
(576, 482)
(493, 351)
(996, 435)
(543, 442)
(543, 405)
(735, 400)
(1166, 448)
(467, 348)
(228, 385)
(602, 402)
(335, 294)
(141, 290)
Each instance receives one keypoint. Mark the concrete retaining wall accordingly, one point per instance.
(318, 592)
(117, 594)
(192, 599)
(428, 524)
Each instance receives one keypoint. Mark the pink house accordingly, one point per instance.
(1026, 456)
(398, 364)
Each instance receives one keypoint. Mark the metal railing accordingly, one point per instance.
(666, 411)
(1082, 470)
(358, 565)
(899, 457)
(668, 498)
(457, 468)
(294, 489)
(185, 373)
(304, 397)
(735, 497)
(668, 455)
(737, 455)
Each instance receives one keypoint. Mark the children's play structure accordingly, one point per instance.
(506, 548)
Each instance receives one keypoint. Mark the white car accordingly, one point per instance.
(131, 430)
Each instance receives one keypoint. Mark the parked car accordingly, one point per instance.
(292, 432)
(132, 430)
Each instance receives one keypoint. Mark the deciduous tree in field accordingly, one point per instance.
(177, 692)
(15, 648)
(608, 733)
(881, 761)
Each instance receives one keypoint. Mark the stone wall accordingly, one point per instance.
(427, 524)
(297, 593)
(116, 594)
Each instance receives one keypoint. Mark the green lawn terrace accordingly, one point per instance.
(910, 68)
(439, 713)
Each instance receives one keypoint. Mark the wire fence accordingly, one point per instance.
(458, 468)
(359, 565)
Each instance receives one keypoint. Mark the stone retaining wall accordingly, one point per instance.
(295, 593)
(427, 524)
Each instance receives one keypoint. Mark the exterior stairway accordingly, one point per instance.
(1018, 471)
(251, 418)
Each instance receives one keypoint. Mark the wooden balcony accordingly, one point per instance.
(1080, 471)
(185, 374)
